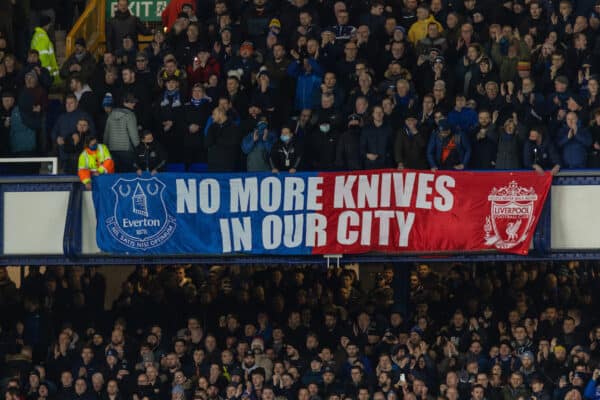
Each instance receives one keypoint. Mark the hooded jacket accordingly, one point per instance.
(41, 42)
(418, 30)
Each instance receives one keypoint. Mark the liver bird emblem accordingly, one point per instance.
(512, 229)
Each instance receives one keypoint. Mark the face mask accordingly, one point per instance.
(284, 138)
(93, 146)
(324, 128)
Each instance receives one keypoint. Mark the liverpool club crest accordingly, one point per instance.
(511, 215)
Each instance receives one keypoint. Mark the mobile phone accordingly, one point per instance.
(402, 378)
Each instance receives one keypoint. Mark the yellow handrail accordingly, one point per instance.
(91, 26)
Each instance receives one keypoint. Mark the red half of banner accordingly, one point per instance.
(415, 211)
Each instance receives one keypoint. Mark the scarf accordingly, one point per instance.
(171, 95)
(197, 102)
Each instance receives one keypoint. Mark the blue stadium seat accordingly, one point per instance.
(198, 167)
(176, 167)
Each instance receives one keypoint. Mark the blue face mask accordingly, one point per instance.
(93, 146)
(284, 138)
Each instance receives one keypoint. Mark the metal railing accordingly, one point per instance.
(91, 26)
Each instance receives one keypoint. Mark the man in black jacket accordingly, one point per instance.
(150, 155)
(410, 147)
(123, 24)
(348, 147)
(223, 143)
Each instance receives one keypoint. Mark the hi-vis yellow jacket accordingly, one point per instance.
(98, 160)
(41, 42)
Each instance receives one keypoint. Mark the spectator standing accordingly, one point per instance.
(375, 139)
(41, 42)
(447, 149)
(195, 113)
(73, 144)
(256, 146)
(348, 148)
(81, 62)
(410, 147)
(32, 105)
(575, 142)
(94, 160)
(287, 152)
(418, 30)
(594, 160)
(123, 24)
(539, 152)
(510, 145)
(170, 119)
(121, 134)
(150, 155)
(308, 75)
(485, 141)
(223, 143)
(6, 109)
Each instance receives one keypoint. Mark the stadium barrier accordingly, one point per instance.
(50, 220)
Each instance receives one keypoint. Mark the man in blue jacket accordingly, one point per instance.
(462, 117)
(448, 150)
(592, 390)
(575, 142)
(308, 74)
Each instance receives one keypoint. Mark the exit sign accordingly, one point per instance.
(146, 10)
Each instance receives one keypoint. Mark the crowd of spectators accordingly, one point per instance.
(271, 85)
(470, 332)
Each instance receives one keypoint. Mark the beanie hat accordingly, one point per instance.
(275, 23)
(248, 46)
(524, 66)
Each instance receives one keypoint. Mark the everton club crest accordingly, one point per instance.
(511, 215)
(140, 219)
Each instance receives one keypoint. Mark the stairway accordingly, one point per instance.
(60, 46)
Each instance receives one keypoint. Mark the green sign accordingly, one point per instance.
(146, 10)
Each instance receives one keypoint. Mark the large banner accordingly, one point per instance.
(318, 213)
